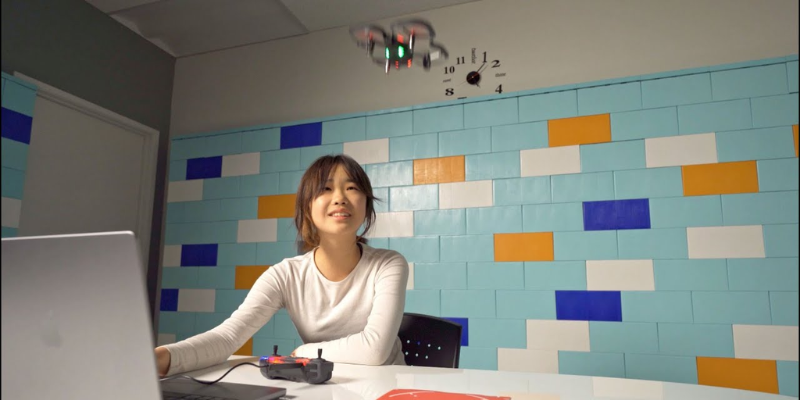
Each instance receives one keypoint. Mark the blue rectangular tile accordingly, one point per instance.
(176, 322)
(555, 275)
(661, 368)
(391, 174)
(271, 253)
(236, 254)
(781, 240)
(289, 182)
(221, 188)
(414, 147)
(731, 308)
(489, 113)
(464, 322)
(227, 301)
(478, 358)
(177, 170)
(492, 166)
(588, 305)
(612, 156)
(529, 190)
(261, 140)
(379, 243)
(344, 130)
(284, 328)
(791, 71)
(280, 161)
(258, 185)
(687, 89)
(286, 230)
(532, 135)
(552, 217)
(489, 220)
(423, 302)
(417, 249)
(310, 154)
(616, 214)
(503, 275)
(467, 248)
(8, 232)
(468, 141)
(202, 211)
(197, 255)
(653, 243)
(19, 98)
(788, 370)
(381, 203)
(763, 274)
(755, 144)
(591, 363)
(216, 278)
(206, 321)
(440, 276)
(644, 124)
(169, 300)
(229, 143)
(582, 187)
(15, 154)
(706, 340)
(623, 337)
(749, 82)
(186, 148)
(657, 307)
(411, 198)
(13, 183)
(648, 183)
(542, 107)
(784, 308)
(686, 211)
(610, 98)
(175, 212)
(597, 245)
(303, 135)
(439, 119)
(440, 222)
(760, 208)
(204, 168)
(389, 125)
(714, 117)
(711, 274)
(239, 209)
(469, 303)
(179, 278)
(775, 110)
(15, 126)
(526, 304)
(775, 175)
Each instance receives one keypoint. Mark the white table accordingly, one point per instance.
(358, 382)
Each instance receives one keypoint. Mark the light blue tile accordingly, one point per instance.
(206, 321)
(714, 117)
(791, 71)
(271, 253)
(532, 135)
(492, 166)
(344, 130)
(749, 82)
(623, 337)
(648, 183)
(177, 170)
(440, 222)
(774, 175)
(709, 274)
(760, 208)
(186, 148)
(488, 220)
(547, 106)
(468, 303)
(410, 198)
(612, 156)
(644, 124)
(478, 358)
(239, 209)
(19, 98)
(389, 125)
(414, 147)
(591, 363)
(687, 89)
(176, 322)
(495, 276)
(202, 211)
(597, 245)
(261, 140)
(755, 144)
(763, 274)
(423, 302)
(310, 154)
(788, 370)
(467, 248)
(661, 368)
(582, 187)
(784, 308)
(236, 254)
(225, 144)
(379, 243)
(775, 110)
(552, 217)
(440, 276)
(526, 304)
(289, 182)
(682, 212)
(15, 154)
(179, 278)
(555, 275)
(175, 212)
(489, 113)
(8, 232)
(468, 141)
(221, 188)
(381, 203)
(731, 308)
(280, 160)
(284, 327)
(781, 240)
(529, 190)
(13, 183)
(258, 185)
(653, 243)
(227, 301)
(391, 174)
(707, 340)
(417, 249)
(657, 306)
(439, 119)
(505, 333)
(216, 277)
(611, 98)
(286, 230)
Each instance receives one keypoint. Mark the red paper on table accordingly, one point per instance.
(417, 394)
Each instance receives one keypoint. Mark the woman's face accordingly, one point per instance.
(341, 208)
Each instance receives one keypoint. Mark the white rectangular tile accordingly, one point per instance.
(465, 195)
(11, 209)
(529, 396)
(681, 150)
(172, 256)
(185, 191)
(557, 335)
(619, 275)
(393, 224)
(241, 164)
(410, 284)
(525, 360)
(196, 300)
(165, 338)
(726, 242)
(257, 230)
(368, 151)
(766, 342)
(550, 161)
(618, 388)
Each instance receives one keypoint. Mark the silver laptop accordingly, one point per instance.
(75, 324)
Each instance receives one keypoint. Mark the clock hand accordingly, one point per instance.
(482, 66)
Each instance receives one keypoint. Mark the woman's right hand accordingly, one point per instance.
(162, 360)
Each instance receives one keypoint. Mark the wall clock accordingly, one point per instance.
(480, 73)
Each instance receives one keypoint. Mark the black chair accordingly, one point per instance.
(430, 341)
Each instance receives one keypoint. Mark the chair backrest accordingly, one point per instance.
(430, 341)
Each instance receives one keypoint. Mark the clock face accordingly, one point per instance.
(479, 74)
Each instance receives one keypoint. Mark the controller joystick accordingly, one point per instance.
(298, 369)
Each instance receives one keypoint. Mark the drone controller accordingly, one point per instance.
(298, 369)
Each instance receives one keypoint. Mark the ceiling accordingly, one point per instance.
(189, 27)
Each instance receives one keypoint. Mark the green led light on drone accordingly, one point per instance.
(401, 51)
(387, 52)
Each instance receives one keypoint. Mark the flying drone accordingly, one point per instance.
(397, 49)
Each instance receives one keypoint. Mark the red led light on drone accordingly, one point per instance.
(400, 38)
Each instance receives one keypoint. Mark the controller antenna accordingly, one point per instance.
(275, 350)
(319, 353)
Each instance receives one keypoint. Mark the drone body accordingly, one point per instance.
(397, 50)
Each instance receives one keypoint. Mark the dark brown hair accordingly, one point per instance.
(313, 184)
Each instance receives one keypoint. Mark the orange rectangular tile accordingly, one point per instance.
(579, 130)
(738, 373)
(246, 349)
(794, 128)
(537, 246)
(722, 178)
(279, 206)
(246, 275)
(439, 170)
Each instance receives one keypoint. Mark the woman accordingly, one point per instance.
(343, 296)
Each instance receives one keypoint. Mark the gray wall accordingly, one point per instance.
(74, 47)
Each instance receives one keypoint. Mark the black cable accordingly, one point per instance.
(211, 382)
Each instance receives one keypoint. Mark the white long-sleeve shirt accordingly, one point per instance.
(354, 321)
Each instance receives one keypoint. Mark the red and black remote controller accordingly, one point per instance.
(298, 369)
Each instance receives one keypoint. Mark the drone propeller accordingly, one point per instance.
(414, 28)
(436, 54)
(367, 36)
